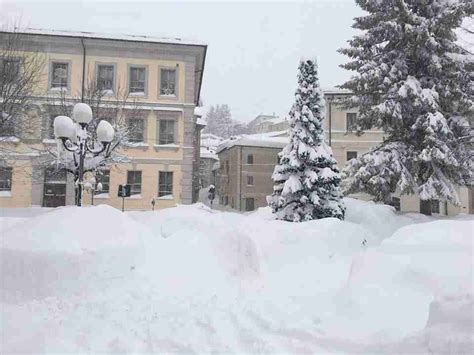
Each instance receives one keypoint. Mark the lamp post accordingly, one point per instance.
(77, 140)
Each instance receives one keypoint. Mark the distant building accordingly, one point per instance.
(209, 161)
(246, 167)
(208, 167)
(274, 124)
(261, 123)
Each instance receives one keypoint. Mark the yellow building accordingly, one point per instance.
(161, 79)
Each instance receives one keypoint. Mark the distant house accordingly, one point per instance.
(246, 167)
(274, 124)
(263, 123)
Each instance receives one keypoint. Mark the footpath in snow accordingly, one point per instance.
(192, 279)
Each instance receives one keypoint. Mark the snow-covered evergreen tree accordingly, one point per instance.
(219, 121)
(415, 83)
(307, 178)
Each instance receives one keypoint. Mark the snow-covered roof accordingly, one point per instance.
(208, 153)
(263, 140)
(201, 122)
(199, 111)
(331, 90)
(117, 37)
(274, 120)
(210, 140)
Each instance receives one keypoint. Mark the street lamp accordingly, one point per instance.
(78, 141)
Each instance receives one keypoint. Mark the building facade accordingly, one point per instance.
(161, 80)
(246, 167)
(339, 124)
(346, 145)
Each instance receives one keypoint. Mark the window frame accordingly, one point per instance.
(395, 202)
(435, 206)
(176, 79)
(353, 127)
(129, 81)
(250, 181)
(166, 184)
(98, 65)
(132, 193)
(18, 60)
(143, 132)
(6, 184)
(250, 159)
(100, 174)
(247, 200)
(348, 153)
(67, 88)
(160, 131)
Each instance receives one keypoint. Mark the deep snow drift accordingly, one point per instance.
(191, 279)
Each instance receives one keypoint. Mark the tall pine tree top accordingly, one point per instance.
(307, 178)
(415, 83)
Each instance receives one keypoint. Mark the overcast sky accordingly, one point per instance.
(254, 47)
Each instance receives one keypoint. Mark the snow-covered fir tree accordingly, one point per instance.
(415, 83)
(307, 178)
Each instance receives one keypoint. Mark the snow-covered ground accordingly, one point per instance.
(190, 279)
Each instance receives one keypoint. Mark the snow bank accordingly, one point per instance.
(57, 252)
(396, 286)
(191, 279)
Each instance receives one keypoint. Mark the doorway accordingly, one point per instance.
(54, 191)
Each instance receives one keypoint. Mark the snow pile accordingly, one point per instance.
(57, 252)
(191, 279)
(423, 269)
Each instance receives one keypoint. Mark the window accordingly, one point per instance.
(226, 200)
(50, 128)
(168, 82)
(7, 128)
(227, 167)
(351, 121)
(136, 130)
(103, 176)
(134, 179)
(395, 202)
(250, 180)
(9, 69)
(250, 159)
(137, 80)
(351, 155)
(105, 77)
(165, 183)
(166, 132)
(434, 206)
(5, 179)
(59, 75)
(249, 204)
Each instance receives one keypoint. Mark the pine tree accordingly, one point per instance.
(219, 121)
(415, 83)
(307, 178)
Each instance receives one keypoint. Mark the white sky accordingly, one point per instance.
(254, 47)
